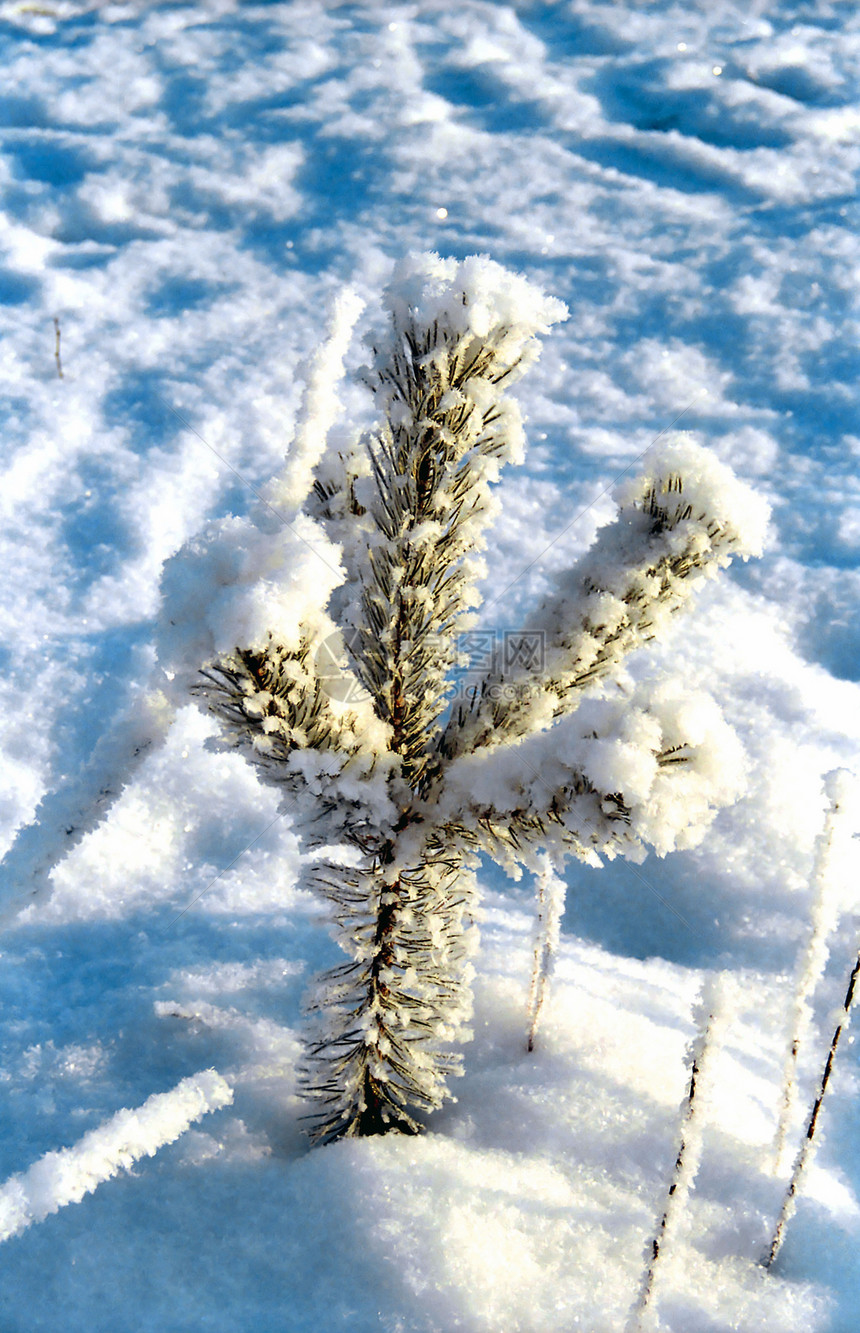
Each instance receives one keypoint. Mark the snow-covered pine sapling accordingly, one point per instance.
(341, 699)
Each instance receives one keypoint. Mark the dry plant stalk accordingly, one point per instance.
(804, 1156)
(712, 1021)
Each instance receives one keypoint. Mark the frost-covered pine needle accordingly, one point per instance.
(824, 913)
(713, 1013)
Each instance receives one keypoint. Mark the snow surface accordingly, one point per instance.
(187, 188)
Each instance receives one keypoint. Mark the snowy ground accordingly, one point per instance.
(185, 188)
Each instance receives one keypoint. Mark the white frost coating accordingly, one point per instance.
(809, 1143)
(66, 1176)
(670, 763)
(408, 507)
(425, 289)
(474, 326)
(320, 407)
(709, 488)
(551, 891)
(835, 857)
(700, 768)
(681, 519)
(383, 556)
(235, 584)
(717, 1005)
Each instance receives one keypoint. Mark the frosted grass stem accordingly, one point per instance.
(811, 965)
(712, 1022)
(804, 1156)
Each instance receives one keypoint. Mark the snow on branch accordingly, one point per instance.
(64, 1177)
(411, 508)
(679, 522)
(646, 769)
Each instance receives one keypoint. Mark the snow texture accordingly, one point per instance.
(186, 190)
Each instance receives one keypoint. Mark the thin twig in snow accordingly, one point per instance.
(813, 961)
(550, 908)
(704, 1049)
(804, 1156)
(57, 348)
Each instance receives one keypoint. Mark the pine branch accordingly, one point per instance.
(428, 505)
(673, 532)
(272, 701)
(410, 517)
(575, 817)
(612, 780)
(274, 705)
(388, 1017)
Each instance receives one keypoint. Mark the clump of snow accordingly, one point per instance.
(668, 760)
(236, 584)
(476, 296)
(690, 481)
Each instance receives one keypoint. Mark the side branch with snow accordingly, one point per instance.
(681, 521)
